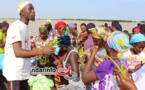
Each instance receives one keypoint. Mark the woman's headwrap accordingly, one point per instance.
(136, 30)
(42, 28)
(99, 33)
(118, 41)
(48, 21)
(64, 40)
(71, 26)
(136, 38)
(60, 24)
(22, 5)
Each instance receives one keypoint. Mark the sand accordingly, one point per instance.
(33, 26)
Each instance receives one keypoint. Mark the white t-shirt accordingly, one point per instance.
(134, 58)
(139, 78)
(16, 68)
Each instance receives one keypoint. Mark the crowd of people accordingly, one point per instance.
(102, 57)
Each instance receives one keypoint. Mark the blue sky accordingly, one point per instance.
(89, 9)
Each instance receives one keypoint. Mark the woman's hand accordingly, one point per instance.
(124, 83)
(83, 58)
(56, 62)
(94, 50)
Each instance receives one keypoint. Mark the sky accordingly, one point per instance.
(87, 9)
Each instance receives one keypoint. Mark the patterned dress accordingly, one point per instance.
(106, 79)
(39, 44)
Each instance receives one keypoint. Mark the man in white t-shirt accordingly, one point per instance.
(16, 65)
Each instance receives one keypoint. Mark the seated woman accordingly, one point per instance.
(102, 77)
(70, 60)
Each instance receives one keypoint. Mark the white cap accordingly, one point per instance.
(22, 5)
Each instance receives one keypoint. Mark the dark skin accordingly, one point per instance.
(4, 30)
(74, 32)
(113, 29)
(137, 47)
(124, 83)
(72, 59)
(83, 29)
(88, 72)
(97, 42)
(88, 75)
(61, 30)
(42, 37)
(27, 14)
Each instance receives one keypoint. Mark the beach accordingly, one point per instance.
(33, 26)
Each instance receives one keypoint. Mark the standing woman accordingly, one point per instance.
(48, 24)
(60, 28)
(102, 77)
(83, 27)
(116, 26)
(3, 29)
(70, 60)
(42, 39)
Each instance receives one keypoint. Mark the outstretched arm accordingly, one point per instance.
(23, 53)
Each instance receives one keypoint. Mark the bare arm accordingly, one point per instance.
(1, 45)
(23, 53)
(33, 46)
(89, 74)
(73, 60)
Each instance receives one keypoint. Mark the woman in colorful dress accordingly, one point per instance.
(43, 38)
(73, 34)
(136, 54)
(3, 29)
(101, 76)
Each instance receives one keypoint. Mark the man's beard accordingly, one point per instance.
(33, 19)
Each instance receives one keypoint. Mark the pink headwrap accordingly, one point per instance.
(136, 30)
(60, 24)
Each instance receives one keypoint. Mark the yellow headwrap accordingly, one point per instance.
(22, 5)
(49, 21)
(99, 32)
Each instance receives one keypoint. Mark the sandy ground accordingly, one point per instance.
(33, 26)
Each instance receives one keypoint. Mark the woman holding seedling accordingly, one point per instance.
(102, 75)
